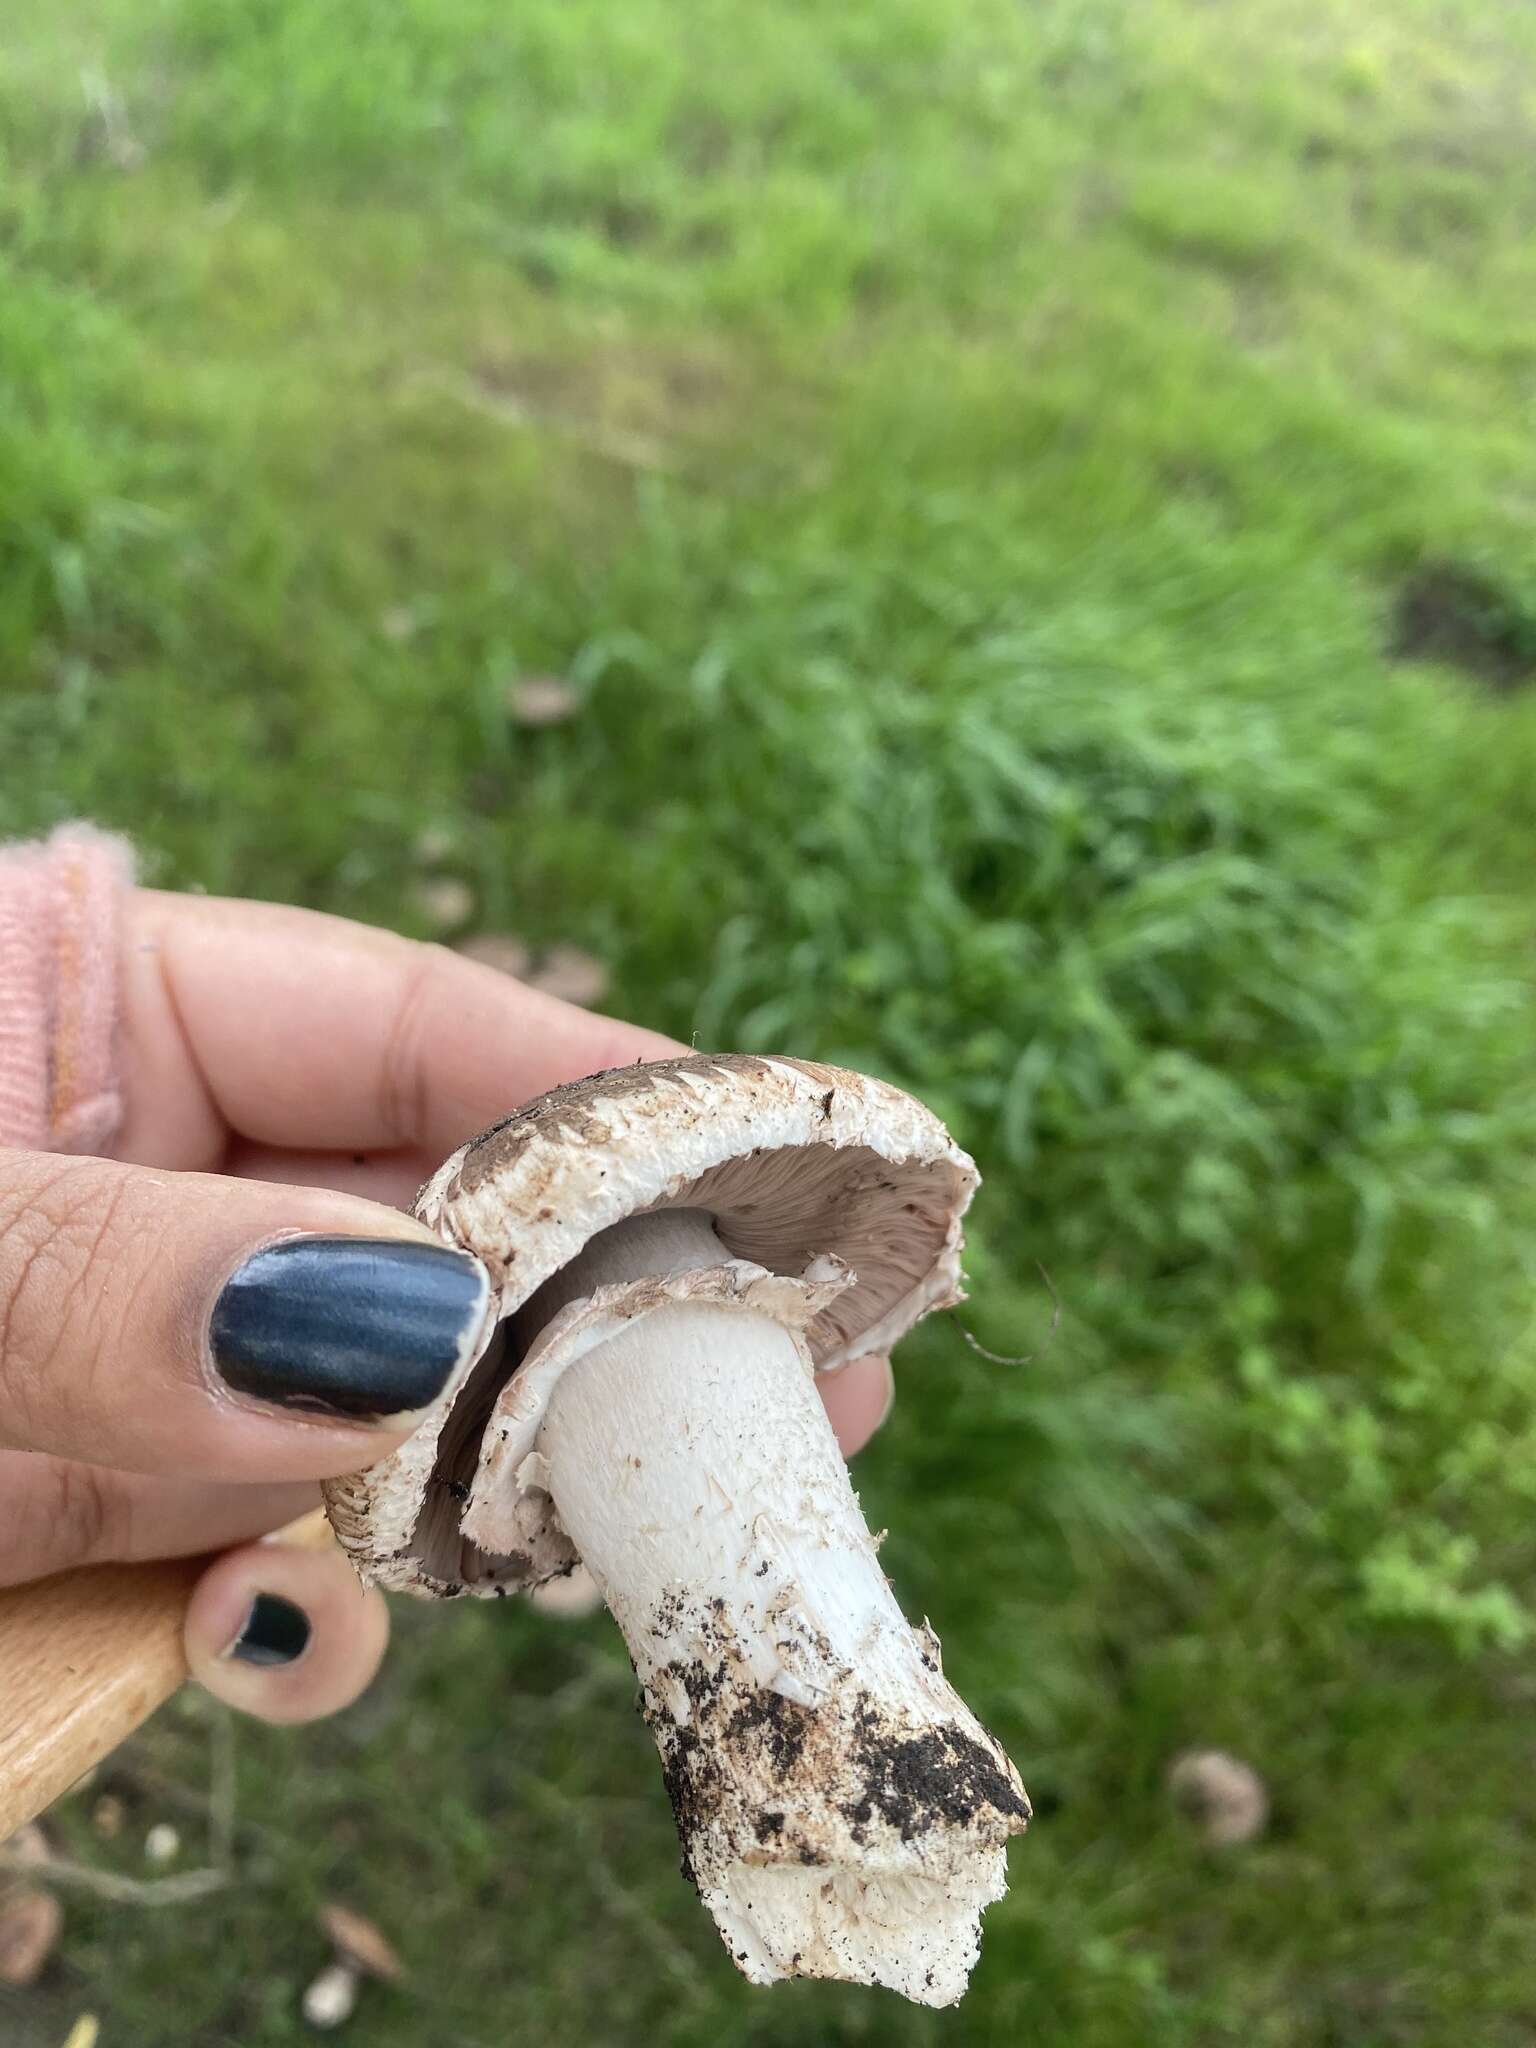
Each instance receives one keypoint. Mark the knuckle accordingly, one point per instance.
(58, 1515)
(62, 1245)
(405, 1068)
(85, 1511)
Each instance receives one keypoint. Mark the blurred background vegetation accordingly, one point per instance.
(1035, 506)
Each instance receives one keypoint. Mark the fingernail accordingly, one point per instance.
(275, 1632)
(353, 1326)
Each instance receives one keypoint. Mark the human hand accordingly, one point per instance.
(195, 1332)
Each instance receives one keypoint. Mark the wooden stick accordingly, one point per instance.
(85, 1658)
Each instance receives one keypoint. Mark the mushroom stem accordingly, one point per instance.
(841, 1811)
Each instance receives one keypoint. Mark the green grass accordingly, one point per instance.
(976, 463)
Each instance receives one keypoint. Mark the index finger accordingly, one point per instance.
(298, 1029)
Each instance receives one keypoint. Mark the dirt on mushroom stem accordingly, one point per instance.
(840, 1810)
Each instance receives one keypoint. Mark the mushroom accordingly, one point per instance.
(359, 1951)
(30, 1922)
(675, 1251)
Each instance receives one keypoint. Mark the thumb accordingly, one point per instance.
(183, 1323)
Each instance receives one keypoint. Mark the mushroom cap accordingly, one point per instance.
(838, 1200)
(358, 1942)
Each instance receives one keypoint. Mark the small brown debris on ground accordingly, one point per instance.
(569, 972)
(26, 1848)
(572, 975)
(434, 843)
(1225, 1797)
(501, 950)
(541, 700)
(30, 1921)
(399, 622)
(444, 901)
(357, 1938)
(108, 1815)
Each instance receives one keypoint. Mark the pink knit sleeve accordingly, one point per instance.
(60, 916)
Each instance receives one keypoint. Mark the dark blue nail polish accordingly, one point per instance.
(275, 1632)
(354, 1326)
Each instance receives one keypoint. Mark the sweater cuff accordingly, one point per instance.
(61, 916)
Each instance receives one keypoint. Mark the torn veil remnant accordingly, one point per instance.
(675, 1251)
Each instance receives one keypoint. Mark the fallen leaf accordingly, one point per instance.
(433, 844)
(541, 700)
(501, 950)
(357, 1941)
(444, 900)
(29, 1845)
(1224, 1795)
(571, 974)
(29, 1928)
(107, 1816)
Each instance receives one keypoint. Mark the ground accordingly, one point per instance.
(1036, 505)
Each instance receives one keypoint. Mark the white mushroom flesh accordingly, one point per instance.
(841, 1811)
